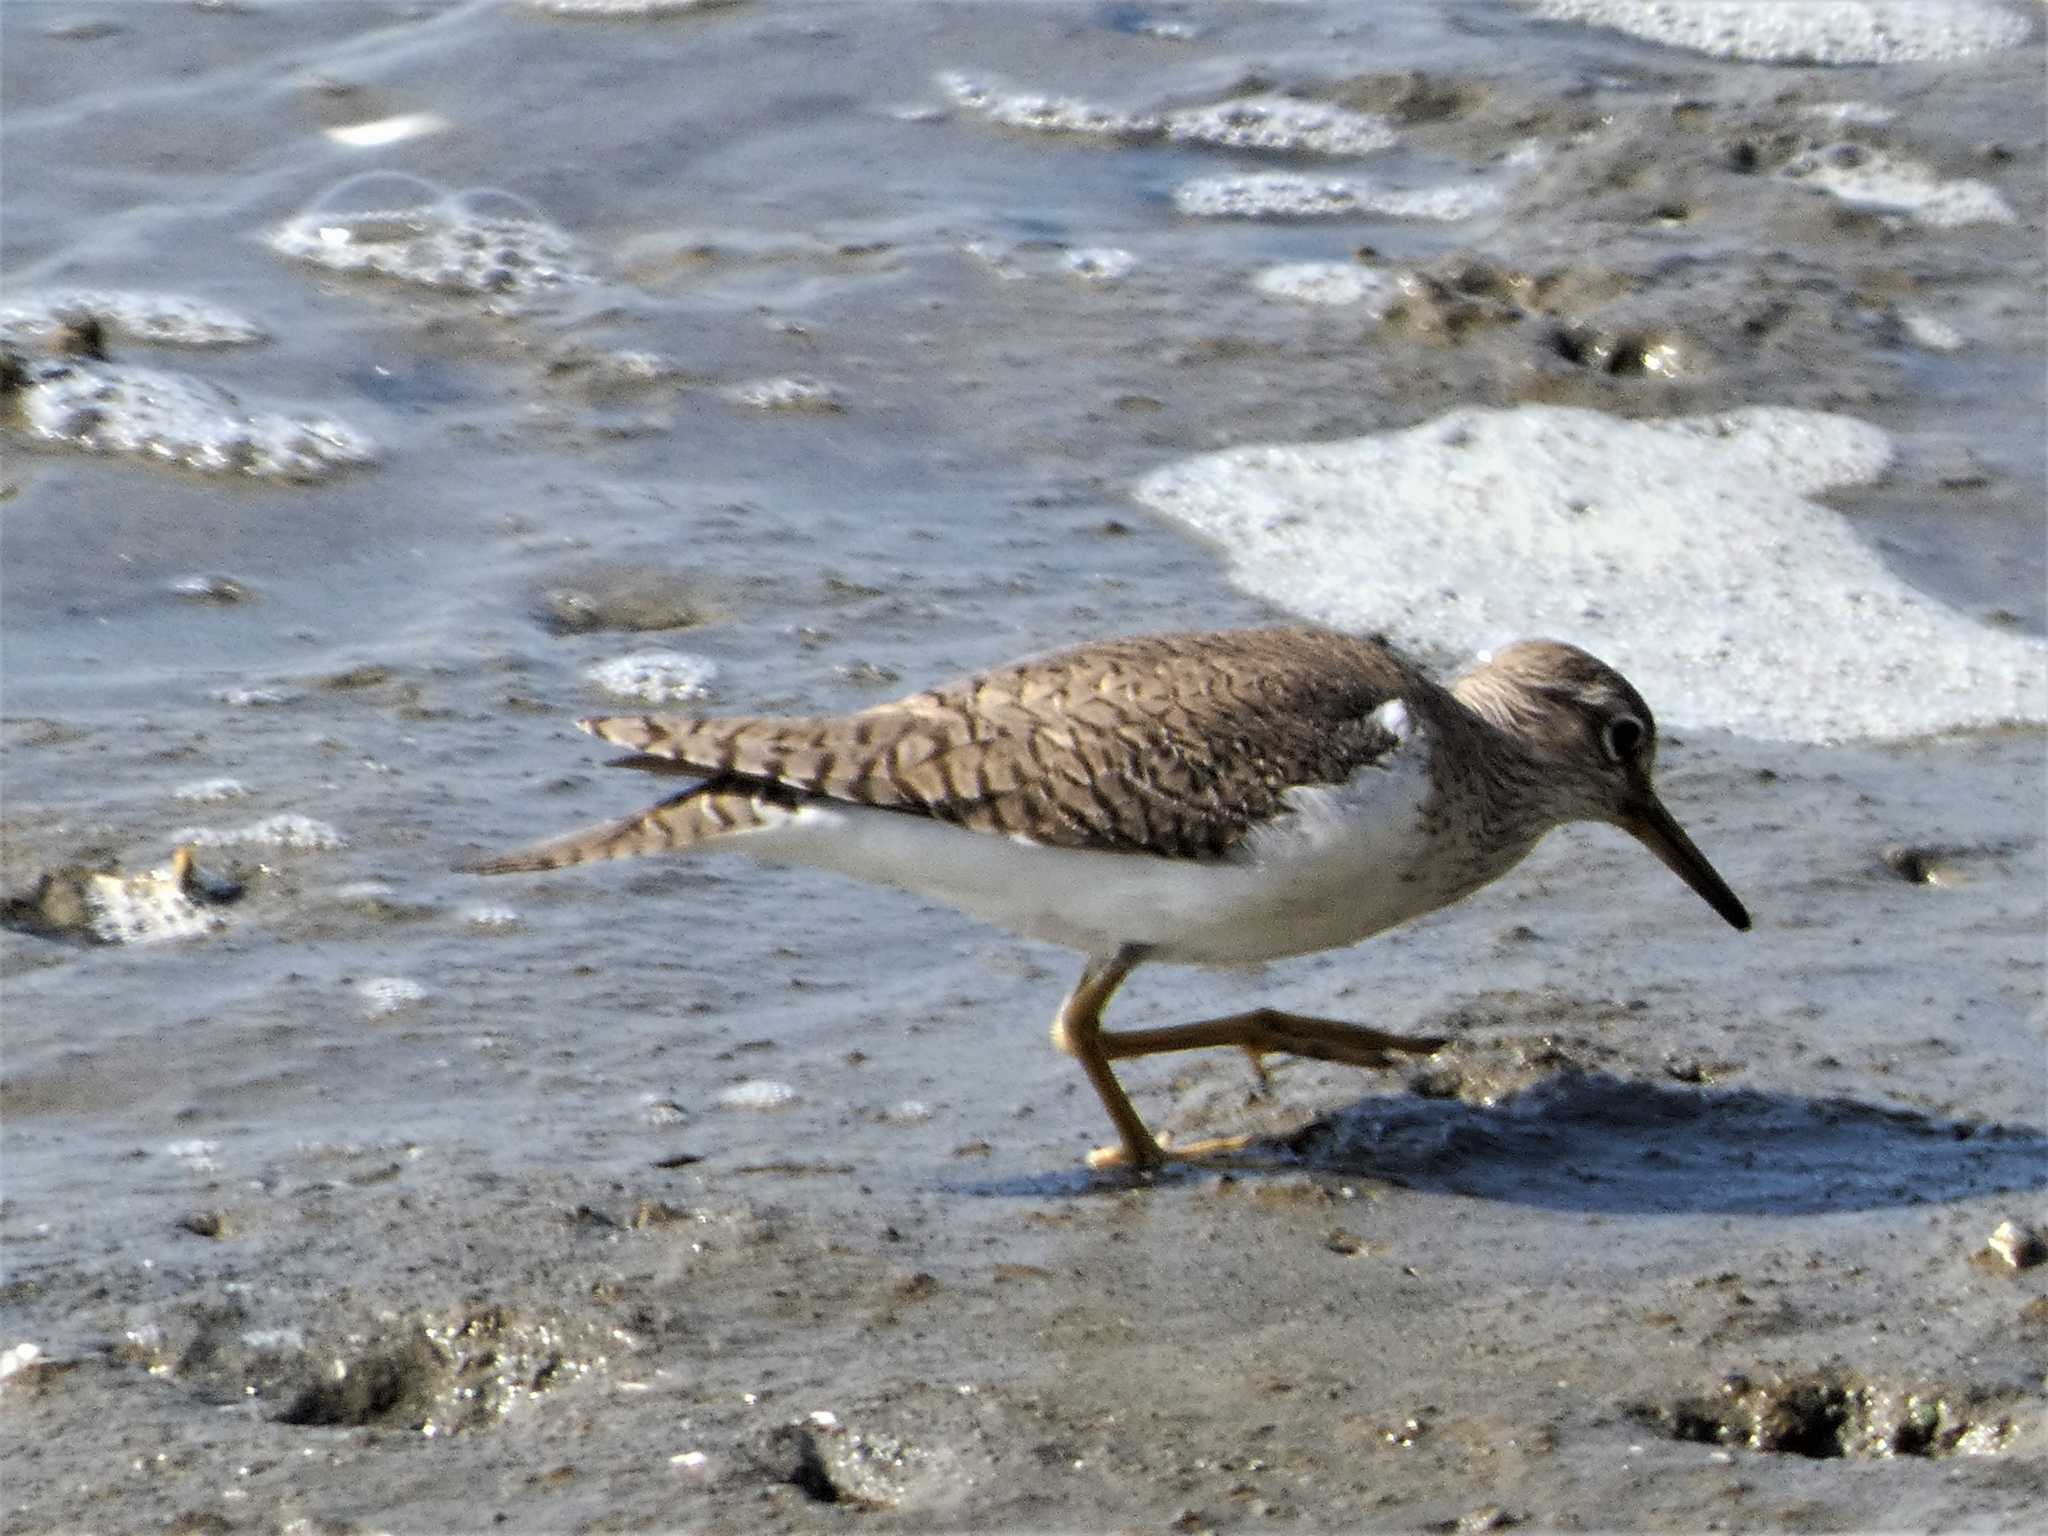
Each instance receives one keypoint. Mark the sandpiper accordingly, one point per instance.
(1203, 798)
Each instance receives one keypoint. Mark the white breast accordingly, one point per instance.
(1344, 862)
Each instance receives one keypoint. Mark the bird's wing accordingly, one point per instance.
(1177, 745)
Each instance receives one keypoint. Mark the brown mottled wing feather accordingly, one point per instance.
(1173, 744)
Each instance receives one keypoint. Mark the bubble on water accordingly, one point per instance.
(1282, 124)
(291, 832)
(243, 697)
(787, 395)
(1010, 108)
(1931, 333)
(148, 413)
(1869, 178)
(1280, 195)
(1101, 263)
(383, 995)
(196, 1153)
(757, 1093)
(161, 319)
(481, 241)
(1332, 283)
(1858, 114)
(654, 677)
(211, 791)
(1270, 122)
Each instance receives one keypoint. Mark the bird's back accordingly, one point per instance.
(1175, 745)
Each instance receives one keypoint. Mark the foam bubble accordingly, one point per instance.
(162, 319)
(655, 677)
(1872, 179)
(105, 407)
(211, 791)
(388, 994)
(257, 698)
(480, 241)
(1330, 283)
(1101, 263)
(1852, 114)
(1282, 124)
(757, 1093)
(1813, 32)
(1270, 122)
(786, 395)
(1684, 551)
(1278, 195)
(17, 1358)
(1035, 113)
(1934, 334)
(298, 834)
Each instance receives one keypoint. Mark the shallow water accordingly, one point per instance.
(384, 1091)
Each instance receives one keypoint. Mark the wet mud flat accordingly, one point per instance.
(1646, 1247)
(367, 1197)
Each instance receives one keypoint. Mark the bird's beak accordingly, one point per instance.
(1654, 827)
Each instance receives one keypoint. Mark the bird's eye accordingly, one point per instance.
(1623, 737)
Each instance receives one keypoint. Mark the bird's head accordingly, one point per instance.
(1594, 743)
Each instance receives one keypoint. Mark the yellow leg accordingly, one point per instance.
(1077, 1030)
(1261, 1031)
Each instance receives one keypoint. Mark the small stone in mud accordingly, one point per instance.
(2016, 1245)
(368, 675)
(204, 1223)
(1934, 865)
(627, 598)
(224, 590)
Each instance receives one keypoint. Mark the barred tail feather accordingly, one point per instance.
(698, 815)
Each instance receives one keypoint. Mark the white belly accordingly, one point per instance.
(1347, 862)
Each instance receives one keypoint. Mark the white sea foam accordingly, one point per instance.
(1270, 122)
(654, 677)
(153, 414)
(1281, 195)
(1934, 334)
(1684, 551)
(211, 791)
(383, 995)
(1332, 283)
(787, 395)
(1101, 263)
(1808, 32)
(757, 1093)
(165, 319)
(299, 834)
(1870, 178)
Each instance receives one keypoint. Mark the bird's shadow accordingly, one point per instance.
(1590, 1141)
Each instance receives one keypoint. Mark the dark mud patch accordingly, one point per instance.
(456, 1373)
(1838, 1413)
